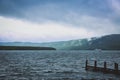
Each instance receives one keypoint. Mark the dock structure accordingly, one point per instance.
(103, 69)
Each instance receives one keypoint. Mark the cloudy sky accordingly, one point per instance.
(57, 20)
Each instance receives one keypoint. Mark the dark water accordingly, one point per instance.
(55, 65)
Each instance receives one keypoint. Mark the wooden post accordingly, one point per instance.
(95, 65)
(86, 65)
(116, 67)
(105, 66)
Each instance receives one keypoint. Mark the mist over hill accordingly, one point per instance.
(107, 42)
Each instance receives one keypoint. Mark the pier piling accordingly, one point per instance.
(105, 66)
(86, 65)
(116, 67)
(95, 65)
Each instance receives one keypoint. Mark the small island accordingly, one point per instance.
(25, 48)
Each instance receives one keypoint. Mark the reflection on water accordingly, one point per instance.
(54, 65)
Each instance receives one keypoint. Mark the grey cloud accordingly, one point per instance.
(68, 12)
(18, 8)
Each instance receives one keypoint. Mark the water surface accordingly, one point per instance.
(54, 65)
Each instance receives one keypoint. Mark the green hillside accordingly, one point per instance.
(107, 42)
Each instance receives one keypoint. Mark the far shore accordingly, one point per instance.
(25, 48)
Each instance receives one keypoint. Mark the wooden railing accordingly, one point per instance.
(103, 69)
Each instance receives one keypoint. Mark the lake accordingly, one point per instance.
(55, 65)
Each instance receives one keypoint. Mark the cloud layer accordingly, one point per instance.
(17, 30)
(53, 20)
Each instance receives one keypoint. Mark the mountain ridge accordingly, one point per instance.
(107, 42)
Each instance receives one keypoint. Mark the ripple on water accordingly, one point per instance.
(54, 65)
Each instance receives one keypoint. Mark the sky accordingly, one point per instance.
(57, 20)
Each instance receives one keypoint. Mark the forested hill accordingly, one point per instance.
(111, 42)
(107, 42)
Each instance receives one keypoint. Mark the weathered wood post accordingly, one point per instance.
(95, 65)
(105, 66)
(86, 65)
(116, 67)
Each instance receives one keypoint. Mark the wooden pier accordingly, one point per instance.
(103, 69)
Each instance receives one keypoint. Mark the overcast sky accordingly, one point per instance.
(57, 20)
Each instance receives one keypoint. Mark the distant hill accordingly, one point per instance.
(107, 42)
(62, 45)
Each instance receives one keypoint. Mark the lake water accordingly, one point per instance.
(55, 65)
